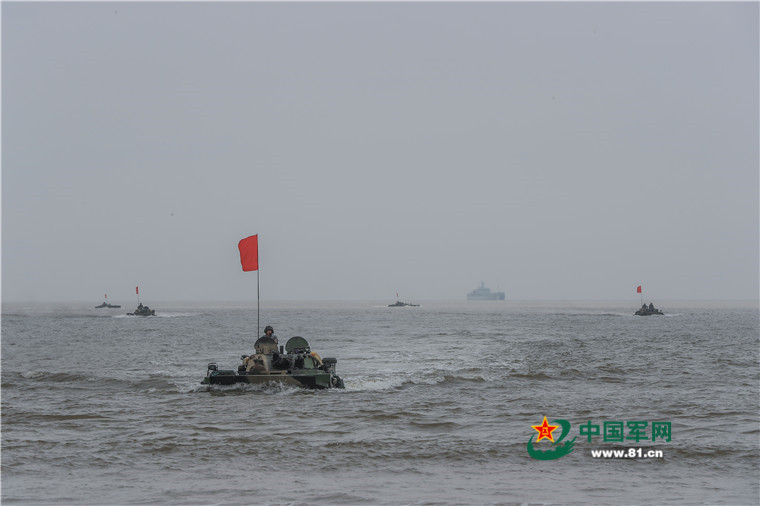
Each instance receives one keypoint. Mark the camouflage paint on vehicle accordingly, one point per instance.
(295, 365)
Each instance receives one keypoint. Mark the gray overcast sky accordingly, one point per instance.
(552, 150)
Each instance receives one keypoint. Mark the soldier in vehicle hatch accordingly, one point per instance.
(269, 332)
(264, 345)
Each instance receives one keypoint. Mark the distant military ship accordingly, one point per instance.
(483, 293)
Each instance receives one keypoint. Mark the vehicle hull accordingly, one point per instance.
(312, 379)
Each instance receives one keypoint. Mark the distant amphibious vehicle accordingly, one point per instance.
(143, 311)
(648, 310)
(294, 365)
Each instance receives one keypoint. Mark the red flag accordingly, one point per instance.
(249, 253)
(137, 290)
(638, 289)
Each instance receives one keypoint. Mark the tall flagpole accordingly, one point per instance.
(258, 293)
(249, 260)
(258, 306)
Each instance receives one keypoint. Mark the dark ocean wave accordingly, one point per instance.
(50, 418)
(53, 377)
(89, 380)
(531, 376)
(434, 425)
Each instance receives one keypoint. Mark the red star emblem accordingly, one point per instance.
(545, 431)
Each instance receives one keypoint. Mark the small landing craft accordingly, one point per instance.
(294, 365)
(398, 303)
(105, 304)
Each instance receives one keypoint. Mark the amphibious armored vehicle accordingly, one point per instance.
(648, 310)
(294, 365)
(143, 311)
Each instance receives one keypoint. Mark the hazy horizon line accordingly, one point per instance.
(380, 301)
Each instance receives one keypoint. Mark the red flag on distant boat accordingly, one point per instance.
(137, 290)
(249, 253)
(638, 289)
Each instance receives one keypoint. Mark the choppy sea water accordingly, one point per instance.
(439, 404)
